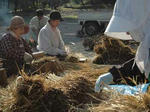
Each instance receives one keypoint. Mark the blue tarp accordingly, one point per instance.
(129, 90)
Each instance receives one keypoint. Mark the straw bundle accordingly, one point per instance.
(79, 90)
(112, 51)
(88, 43)
(123, 103)
(48, 64)
(34, 95)
(7, 96)
(71, 58)
(53, 94)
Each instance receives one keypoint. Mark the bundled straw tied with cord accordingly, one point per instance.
(112, 51)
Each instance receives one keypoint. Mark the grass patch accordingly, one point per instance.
(70, 17)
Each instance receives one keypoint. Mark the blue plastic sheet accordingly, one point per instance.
(129, 90)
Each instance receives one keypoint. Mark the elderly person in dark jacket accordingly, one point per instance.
(14, 49)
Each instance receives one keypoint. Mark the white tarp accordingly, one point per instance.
(133, 16)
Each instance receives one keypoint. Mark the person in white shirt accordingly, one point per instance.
(127, 23)
(36, 23)
(49, 39)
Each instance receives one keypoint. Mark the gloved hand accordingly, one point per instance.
(102, 80)
(19, 80)
(28, 58)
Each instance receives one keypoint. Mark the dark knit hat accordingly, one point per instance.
(55, 15)
(39, 12)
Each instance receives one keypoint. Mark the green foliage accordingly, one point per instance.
(76, 1)
(25, 5)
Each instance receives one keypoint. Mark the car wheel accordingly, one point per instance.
(91, 28)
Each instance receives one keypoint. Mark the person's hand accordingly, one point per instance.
(28, 58)
(31, 40)
(19, 80)
(63, 53)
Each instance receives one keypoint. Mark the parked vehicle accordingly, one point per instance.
(94, 22)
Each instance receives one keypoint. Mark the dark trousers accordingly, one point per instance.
(127, 74)
(12, 67)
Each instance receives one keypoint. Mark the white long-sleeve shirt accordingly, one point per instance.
(50, 41)
(36, 25)
(128, 15)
